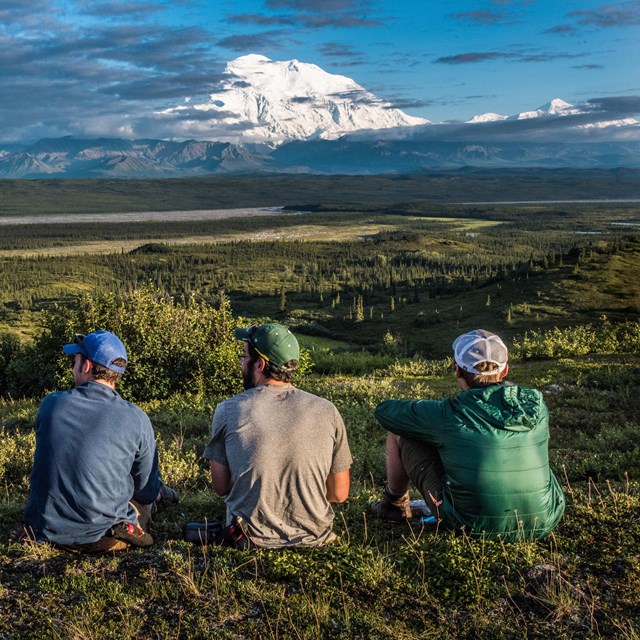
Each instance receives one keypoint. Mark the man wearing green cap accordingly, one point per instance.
(278, 454)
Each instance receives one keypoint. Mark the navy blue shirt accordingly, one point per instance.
(94, 453)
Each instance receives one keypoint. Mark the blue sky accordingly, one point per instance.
(79, 67)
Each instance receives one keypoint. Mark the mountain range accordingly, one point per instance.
(285, 117)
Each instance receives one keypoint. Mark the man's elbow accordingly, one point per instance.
(339, 496)
(147, 494)
(221, 489)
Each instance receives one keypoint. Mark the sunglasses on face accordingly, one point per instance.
(78, 339)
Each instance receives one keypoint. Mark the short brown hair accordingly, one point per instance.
(103, 373)
(476, 380)
(281, 374)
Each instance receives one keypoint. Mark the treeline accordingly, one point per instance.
(109, 195)
(39, 236)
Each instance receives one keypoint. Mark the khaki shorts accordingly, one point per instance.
(423, 465)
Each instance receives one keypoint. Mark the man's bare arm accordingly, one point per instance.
(338, 486)
(220, 477)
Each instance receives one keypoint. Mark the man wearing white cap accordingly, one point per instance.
(480, 458)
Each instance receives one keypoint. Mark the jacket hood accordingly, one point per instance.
(507, 407)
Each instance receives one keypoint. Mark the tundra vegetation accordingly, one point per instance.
(376, 292)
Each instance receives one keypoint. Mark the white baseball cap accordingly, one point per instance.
(478, 346)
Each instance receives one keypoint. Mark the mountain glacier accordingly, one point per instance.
(487, 117)
(261, 100)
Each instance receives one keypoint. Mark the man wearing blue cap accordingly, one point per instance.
(95, 481)
(278, 454)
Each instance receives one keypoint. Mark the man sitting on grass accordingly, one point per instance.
(279, 454)
(95, 482)
(480, 458)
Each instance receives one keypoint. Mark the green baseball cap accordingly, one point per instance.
(274, 342)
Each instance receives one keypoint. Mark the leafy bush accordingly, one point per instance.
(173, 347)
(180, 466)
(607, 338)
(10, 349)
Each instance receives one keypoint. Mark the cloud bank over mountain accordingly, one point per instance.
(289, 116)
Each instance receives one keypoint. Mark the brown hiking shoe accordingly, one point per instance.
(131, 533)
(392, 507)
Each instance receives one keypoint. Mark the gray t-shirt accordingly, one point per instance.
(280, 444)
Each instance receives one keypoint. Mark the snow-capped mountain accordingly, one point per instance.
(487, 117)
(556, 107)
(261, 100)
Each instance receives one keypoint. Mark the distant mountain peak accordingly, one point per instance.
(555, 107)
(560, 108)
(262, 100)
(250, 58)
(487, 117)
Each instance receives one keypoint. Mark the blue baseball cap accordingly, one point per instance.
(101, 347)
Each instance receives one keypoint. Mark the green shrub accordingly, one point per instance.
(607, 338)
(10, 349)
(173, 347)
(180, 466)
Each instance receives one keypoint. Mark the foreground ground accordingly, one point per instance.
(379, 580)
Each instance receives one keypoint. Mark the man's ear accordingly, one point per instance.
(505, 372)
(87, 366)
(458, 371)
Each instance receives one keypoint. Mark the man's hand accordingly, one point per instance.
(167, 494)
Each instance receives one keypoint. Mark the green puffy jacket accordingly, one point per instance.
(493, 443)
